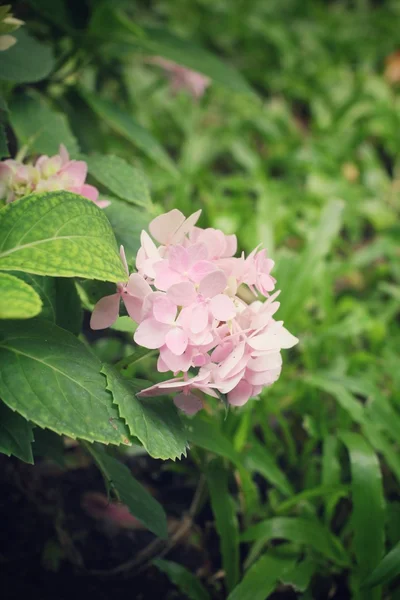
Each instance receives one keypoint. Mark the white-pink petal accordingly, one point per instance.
(212, 284)
(138, 286)
(240, 394)
(151, 334)
(176, 340)
(182, 294)
(164, 310)
(222, 307)
(164, 226)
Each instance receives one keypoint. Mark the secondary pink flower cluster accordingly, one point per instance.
(182, 78)
(186, 298)
(47, 174)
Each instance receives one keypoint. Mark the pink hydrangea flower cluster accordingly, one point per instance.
(185, 296)
(47, 174)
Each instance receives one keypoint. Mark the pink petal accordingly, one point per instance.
(164, 310)
(174, 362)
(92, 193)
(162, 367)
(230, 245)
(63, 152)
(151, 334)
(225, 367)
(225, 386)
(212, 284)
(197, 252)
(165, 276)
(263, 377)
(222, 351)
(199, 318)
(76, 171)
(202, 268)
(164, 226)
(188, 403)
(185, 227)
(161, 389)
(176, 340)
(222, 307)
(178, 258)
(105, 312)
(137, 286)
(240, 394)
(272, 360)
(275, 338)
(148, 245)
(182, 294)
(133, 306)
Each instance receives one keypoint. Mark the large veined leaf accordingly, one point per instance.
(154, 421)
(52, 379)
(121, 178)
(225, 520)
(261, 579)
(368, 518)
(18, 300)
(127, 223)
(309, 532)
(59, 234)
(40, 127)
(26, 61)
(16, 435)
(124, 124)
(386, 570)
(129, 491)
(187, 583)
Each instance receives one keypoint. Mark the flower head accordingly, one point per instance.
(184, 299)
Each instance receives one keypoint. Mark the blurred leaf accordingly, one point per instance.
(368, 517)
(57, 384)
(141, 504)
(184, 580)
(60, 234)
(261, 579)
(387, 569)
(154, 421)
(309, 532)
(124, 124)
(4, 152)
(300, 575)
(16, 435)
(330, 473)
(225, 520)
(40, 127)
(121, 178)
(27, 61)
(127, 223)
(18, 300)
(54, 10)
(49, 445)
(258, 459)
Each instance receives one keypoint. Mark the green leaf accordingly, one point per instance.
(225, 520)
(18, 300)
(160, 42)
(330, 474)
(300, 575)
(259, 460)
(387, 569)
(15, 435)
(127, 223)
(40, 127)
(309, 532)
(27, 61)
(261, 579)
(59, 234)
(368, 517)
(141, 504)
(49, 445)
(52, 379)
(184, 580)
(4, 152)
(154, 421)
(121, 178)
(125, 125)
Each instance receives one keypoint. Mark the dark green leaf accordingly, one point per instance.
(49, 445)
(18, 300)
(225, 520)
(121, 178)
(127, 223)
(154, 421)
(52, 379)
(387, 569)
(4, 152)
(59, 234)
(259, 460)
(124, 124)
(141, 504)
(184, 580)
(16, 435)
(261, 579)
(27, 61)
(38, 126)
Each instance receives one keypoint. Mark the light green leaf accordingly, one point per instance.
(261, 579)
(141, 504)
(59, 234)
(225, 520)
(368, 517)
(52, 379)
(39, 127)
(154, 421)
(121, 178)
(15, 435)
(124, 124)
(309, 532)
(18, 300)
(387, 569)
(27, 61)
(127, 223)
(259, 460)
(185, 581)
